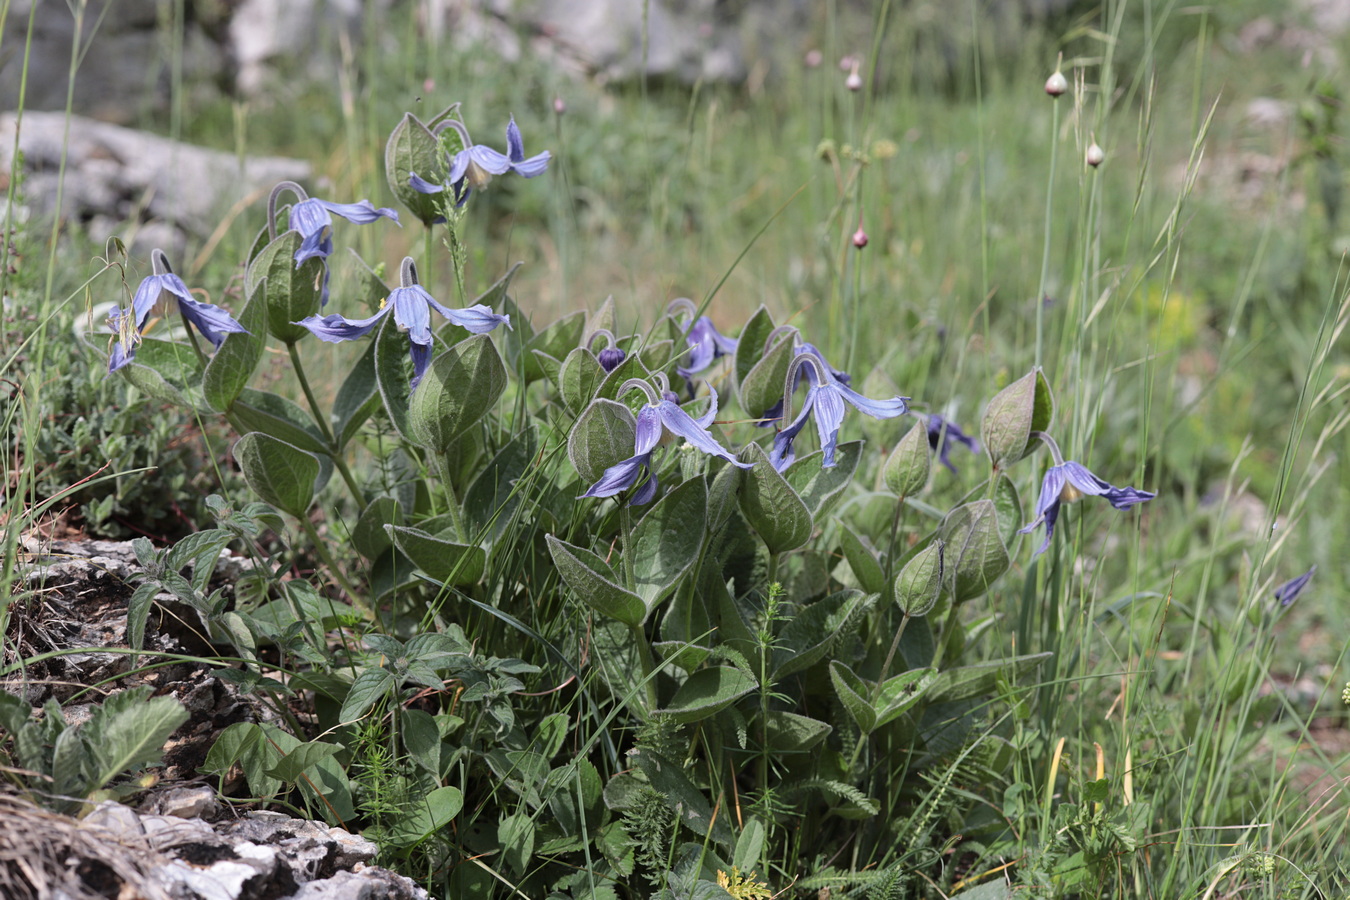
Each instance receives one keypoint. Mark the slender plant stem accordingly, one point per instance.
(341, 464)
(890, 657)
(321, 547)
(1045, 249)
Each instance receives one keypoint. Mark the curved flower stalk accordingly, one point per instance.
(1066, 482)
(411, 306)
(774, 414)
(164, 292)
(473, 167)
(312, 218)
(825, 399)
(704, 342)
(659, 415)
(612, 355)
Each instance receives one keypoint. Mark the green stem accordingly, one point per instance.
(192, 339)
(321, 547)
(648, 666)
(1045, 251)
(333, 452)
(945, 634)
(890, 657)
(456, 514)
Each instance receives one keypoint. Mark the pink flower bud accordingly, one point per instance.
(559, 106)
(1095, 154)
(854, 81)
(860, 238)
(814, 58)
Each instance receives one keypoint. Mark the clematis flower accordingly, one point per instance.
(473, 167)
(705, 343)
(311, 217)
(943, 433)
(774, 413)
(164, 293)
(411, 306)
(1288, 592)
(612, 356)
(1066, 482)
(660, 414)
(825, 400)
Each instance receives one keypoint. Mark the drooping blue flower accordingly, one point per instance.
(612, 355)
(165, 293)
(825, 400)
(1288, 592)
(774, 413)
(661, 413)
(704, 343)
(943, 433)
(473, 167)
(1066, 482)
(411, 306)
(311, 217)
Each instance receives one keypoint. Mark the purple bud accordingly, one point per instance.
(610, 358)
(860, 238)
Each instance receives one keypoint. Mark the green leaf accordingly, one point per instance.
(292, 293)
(459, 387)
(667, 542)
(974, 556)
(357, 399)
(230, 369)
(1022, 407)
(392, 369)
(495, 296)
(902, 692)
(855, 695)
(918, 585)
(557, 341)
(367, 690)
(424, 815)
(750, 344)
(762, 386)
(864, 563)
(749, 845)
(595, 582)
(292, 765)
(446, 561)
(791, 733)
(603, 435)
(770, 504)
(814, 630)
(681, 796)
(280, 473)
(970, 681)
(707, 692)
(412, 148)
(138, 610)
(277, 417)
(129, 729)
(165, 371)
(579, 378)
(492, 499)
(1009, 507)
(907, 468)
(515, 833)
(819, 487)
(368, 535)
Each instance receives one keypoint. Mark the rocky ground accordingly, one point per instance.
(176, 840)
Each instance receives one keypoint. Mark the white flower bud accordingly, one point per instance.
(1095, 155)
(1056, 84)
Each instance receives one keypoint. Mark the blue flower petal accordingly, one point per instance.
(334, 328)
(212, 321)
(619, 477)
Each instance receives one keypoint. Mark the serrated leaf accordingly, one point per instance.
(707, 692)
(366, 690)
(595, 582)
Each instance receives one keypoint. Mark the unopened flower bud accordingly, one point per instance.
(1095, 155)
(854, 81)
(814, 58)
(860, 238)
(559, 106)
(845, 63)
(1056, 84)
